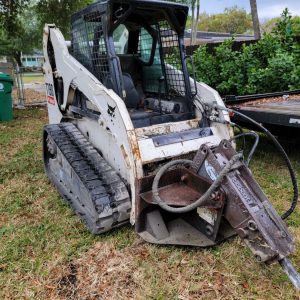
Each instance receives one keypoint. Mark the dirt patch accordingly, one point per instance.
(67, 283)
(31, 96)
(34, 96)
(103, 272)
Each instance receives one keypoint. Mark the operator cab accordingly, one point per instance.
(136, 48)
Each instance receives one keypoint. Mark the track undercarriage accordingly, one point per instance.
(84, 179)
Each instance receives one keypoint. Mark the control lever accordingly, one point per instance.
(161, 79)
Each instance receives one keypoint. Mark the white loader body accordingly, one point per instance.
(125, 148)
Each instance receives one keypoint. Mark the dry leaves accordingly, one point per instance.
(272, 100)
(31, 96)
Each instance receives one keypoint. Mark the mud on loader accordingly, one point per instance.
(133, 137)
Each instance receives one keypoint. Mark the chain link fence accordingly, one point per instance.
(29, 85)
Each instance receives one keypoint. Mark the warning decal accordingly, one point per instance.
(50, 93)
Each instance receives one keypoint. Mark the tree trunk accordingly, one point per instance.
(193, 21)
(196, 22)
(17, 57)
(255, 19)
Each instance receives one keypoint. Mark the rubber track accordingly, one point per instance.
(108, 198)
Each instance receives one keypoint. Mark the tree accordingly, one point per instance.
(59, 12)
(284, 29)
(9, 11)
(234, 20)
(12, 31)
(22, 21)
(255, 20)
(269, 25)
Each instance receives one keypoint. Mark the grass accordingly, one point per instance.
(46, 253)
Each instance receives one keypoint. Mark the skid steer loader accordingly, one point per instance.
(133, 137)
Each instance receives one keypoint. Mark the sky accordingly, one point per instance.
(266, 8)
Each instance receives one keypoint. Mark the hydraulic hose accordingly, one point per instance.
(281, 151)
(228, 167)
(256, 136)
(241, 131)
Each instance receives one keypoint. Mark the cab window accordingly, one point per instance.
(120, 36)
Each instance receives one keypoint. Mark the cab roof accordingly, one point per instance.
(107, 6)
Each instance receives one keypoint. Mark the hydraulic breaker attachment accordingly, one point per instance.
(209, 199)
(247, 208)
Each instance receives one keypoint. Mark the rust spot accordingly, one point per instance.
(193, 122)
(136, 151)
(125, 155)
(134, 146)
(168, 128)
(180, 187)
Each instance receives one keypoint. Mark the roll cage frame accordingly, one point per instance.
(110, 15)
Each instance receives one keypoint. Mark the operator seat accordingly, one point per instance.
(132, 98)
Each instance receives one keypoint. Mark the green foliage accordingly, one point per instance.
(24, 36)
(11, 29)
(59, 12)
(205, 61)
(296, 26)
(272, 64)
(269, 25)
(227, 61)
(275, 76)
(283, 29)
(295, 78)
(9, 11)
(22, 22)
(233, 20)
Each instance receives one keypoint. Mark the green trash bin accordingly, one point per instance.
(6, 111)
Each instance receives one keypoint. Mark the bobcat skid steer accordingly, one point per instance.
(133, 137)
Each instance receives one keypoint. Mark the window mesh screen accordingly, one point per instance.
(88, 45)
(171, 55)
(89, 48)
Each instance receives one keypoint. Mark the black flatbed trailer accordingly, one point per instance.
(278, 112)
